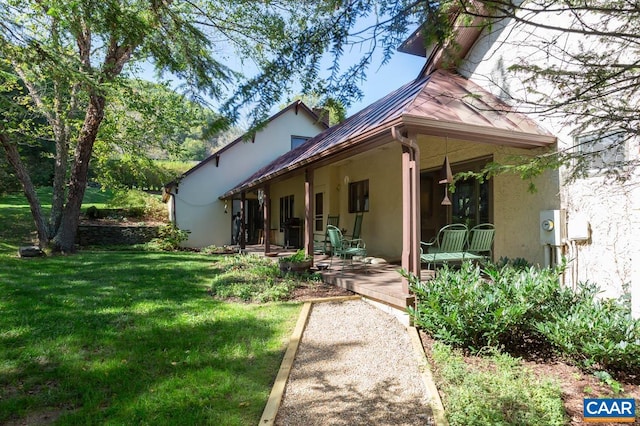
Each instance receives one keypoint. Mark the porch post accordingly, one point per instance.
(266, 213)
(415, 211)
(243, 203)
(406, 216)
(410, 204)
(308, 211)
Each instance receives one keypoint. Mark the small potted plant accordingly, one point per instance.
(298, 262)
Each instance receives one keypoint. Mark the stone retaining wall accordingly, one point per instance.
(102, 235)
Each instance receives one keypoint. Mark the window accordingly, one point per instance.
(470, 202)
(286, 210)
(359, 196)
(296, 141)
(601, 151)
(318, 214)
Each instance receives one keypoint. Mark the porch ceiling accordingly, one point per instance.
(441, 104)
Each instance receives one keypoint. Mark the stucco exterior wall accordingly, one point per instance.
(608, 206)
(515, 210)
(197, 207)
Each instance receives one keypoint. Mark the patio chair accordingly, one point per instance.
(322, 246)
(481, 239)
(357, 227)
(448, 245)
(344, 248)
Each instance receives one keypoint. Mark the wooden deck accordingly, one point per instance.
(382, 282)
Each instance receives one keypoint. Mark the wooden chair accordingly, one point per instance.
(345, 248)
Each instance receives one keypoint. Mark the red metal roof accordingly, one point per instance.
(442, 99)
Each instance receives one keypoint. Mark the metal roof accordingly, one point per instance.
(442, 103)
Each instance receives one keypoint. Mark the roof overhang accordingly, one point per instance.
(475, 133)
(382, 135)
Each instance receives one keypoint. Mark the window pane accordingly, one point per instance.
(359, 196)
(296, 141)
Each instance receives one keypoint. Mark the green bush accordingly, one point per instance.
(595, 333)
(496, 391)
(510, 306)
(169, 238)
(463, 308)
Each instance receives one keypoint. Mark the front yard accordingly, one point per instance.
(132, 338)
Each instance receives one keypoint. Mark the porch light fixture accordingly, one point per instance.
(225, 206)
(261, 196)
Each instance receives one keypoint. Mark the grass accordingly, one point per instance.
(107, 337)
(496, 391)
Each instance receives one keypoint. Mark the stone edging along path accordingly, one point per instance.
(348, 362)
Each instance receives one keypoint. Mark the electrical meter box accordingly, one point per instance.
(577, 227)
(552, 227)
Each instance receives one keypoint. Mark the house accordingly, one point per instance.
(384, 162)
(193, 199)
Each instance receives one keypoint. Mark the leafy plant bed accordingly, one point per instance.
(258, 279)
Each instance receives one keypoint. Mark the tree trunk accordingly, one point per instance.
(64, 240)
(13, 156)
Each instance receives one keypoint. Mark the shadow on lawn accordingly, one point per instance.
(104, 336)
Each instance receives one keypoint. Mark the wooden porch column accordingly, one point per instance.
(410, 205)
(243, 201)
(415, 211)
(266, 227)
(406, 216)
(308, 212)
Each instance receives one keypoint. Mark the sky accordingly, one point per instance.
(380, 80)
(401, 69)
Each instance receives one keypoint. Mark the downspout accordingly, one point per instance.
(411, 259)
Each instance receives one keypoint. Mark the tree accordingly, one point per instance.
(70, 57)
(579, 65)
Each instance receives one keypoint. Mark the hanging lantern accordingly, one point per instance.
(446, 176)
(446, 201)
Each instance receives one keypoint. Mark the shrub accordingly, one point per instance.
(465, 309)
(169, 238)
(514, 306)
(595, 333)
(252, 279)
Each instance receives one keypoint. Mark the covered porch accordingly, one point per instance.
(383, 162)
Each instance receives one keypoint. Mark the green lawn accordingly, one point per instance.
(129, 338)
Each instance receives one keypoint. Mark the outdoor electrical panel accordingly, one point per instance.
(577, 227)
(552, 227)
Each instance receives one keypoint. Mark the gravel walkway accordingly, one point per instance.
(355, 366)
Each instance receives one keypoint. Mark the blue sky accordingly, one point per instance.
(401, 69)
(380, 80)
